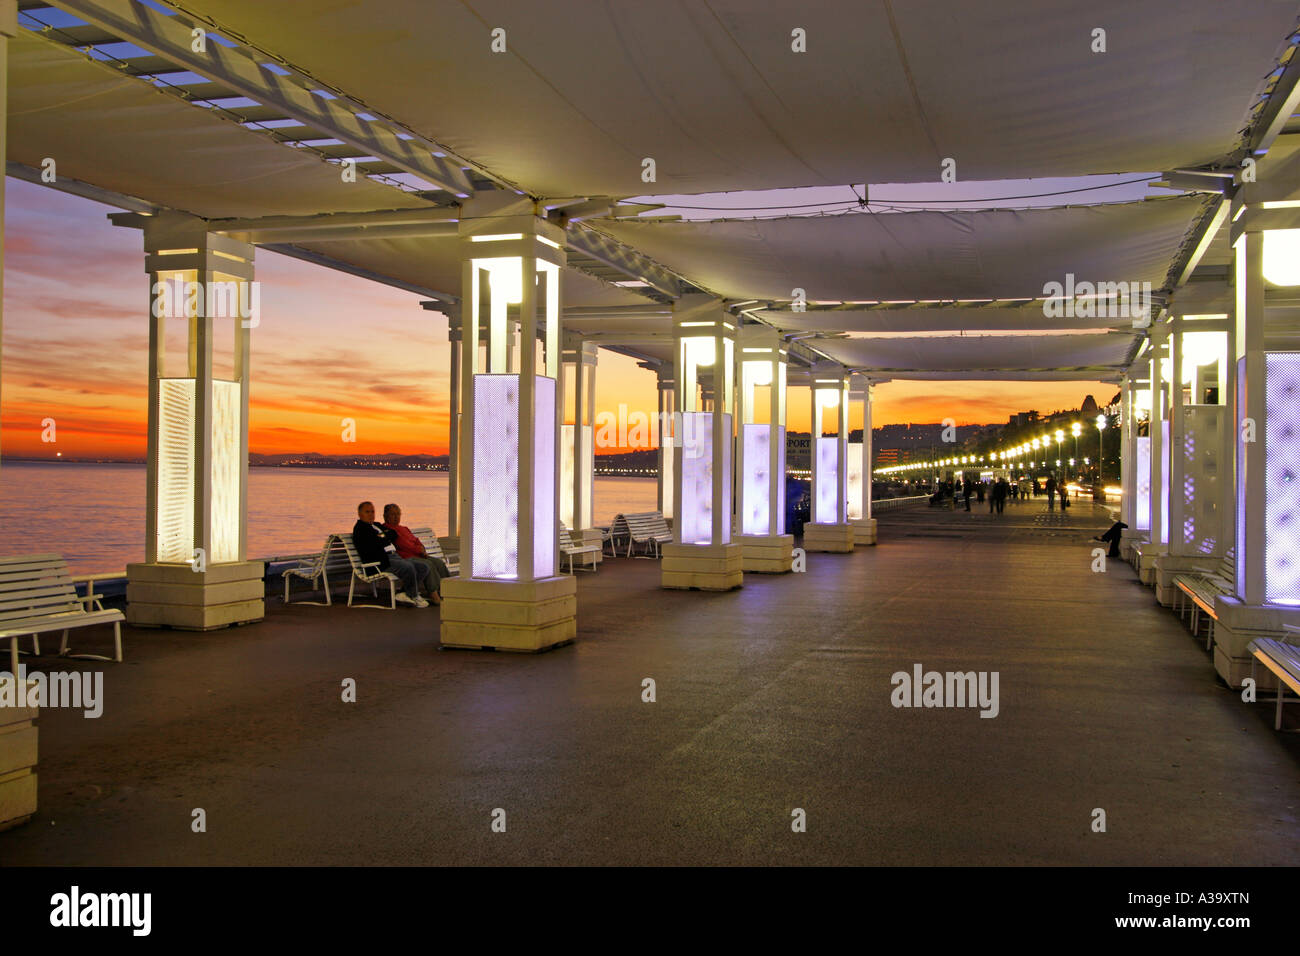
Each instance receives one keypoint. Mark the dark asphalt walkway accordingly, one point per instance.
(770, 698)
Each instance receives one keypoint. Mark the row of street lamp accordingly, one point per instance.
(1015, 457)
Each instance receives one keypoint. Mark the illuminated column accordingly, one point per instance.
(860, 467)
(667, 420)
(1197, 369)
(510, 594)
(1157, 508)
(453, 427)
(1265, 231)
(760, 451)
(702, 554)
(828, 528)
(577, 449)
(196, 575)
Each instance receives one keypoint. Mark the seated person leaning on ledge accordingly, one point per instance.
(376, 544)
(410, 548)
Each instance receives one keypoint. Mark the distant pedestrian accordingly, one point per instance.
(1050, 487)
(979, 491)
(1000, 493)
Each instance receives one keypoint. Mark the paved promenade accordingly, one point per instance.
(771, 698)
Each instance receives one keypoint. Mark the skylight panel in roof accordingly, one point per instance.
(37, 17)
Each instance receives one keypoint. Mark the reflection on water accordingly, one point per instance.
(94, 514)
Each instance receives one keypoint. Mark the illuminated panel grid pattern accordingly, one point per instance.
(1166, 451)
(780, 475)
(1282, 479)
(588, 470)
(827, 481)
(226, 510)
(175, 524)
(1242, 554)
(566, 474)
(1142, 466)
(724, 420)
(495, 501)
(545, 531)
(1201, 443)
(755, 482)
(666, 478)
(697, 478)
(855, 479)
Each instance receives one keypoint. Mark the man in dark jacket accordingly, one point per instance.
(375, 544)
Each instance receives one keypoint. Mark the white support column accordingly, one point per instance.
(510, 594)
(196, 575)
(760, 451)
(702, 554)
(1265, 229)
(453, 426)
(577, 440)
(1197, 461)
(667, 389)
(860, 465)
(828, 528)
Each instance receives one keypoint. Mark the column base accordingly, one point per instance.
(1146, 566)
(1238, 624)
(836, 538)
(491, 615)
(864, 530)
(18, 740)
(592, 536)
(1169, 566)
(766, 554)
(175, 595)
(705, 567)
(1127, 539)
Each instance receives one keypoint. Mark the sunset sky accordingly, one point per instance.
(76, 342)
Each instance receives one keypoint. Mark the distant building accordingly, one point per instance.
(1089, 408)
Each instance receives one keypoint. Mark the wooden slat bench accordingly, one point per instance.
(368, 573)
(1283, 660)
(1198, 591)
(433, 547)
(332, 560)
(572, 547)
(38, 595)
(614, 534)
(648, 529)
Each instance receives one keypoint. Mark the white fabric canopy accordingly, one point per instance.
(923, 255)
(1097, 356)
(714, 93)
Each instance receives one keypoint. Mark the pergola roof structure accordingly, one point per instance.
(253, 128)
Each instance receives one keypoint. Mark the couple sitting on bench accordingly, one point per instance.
(392, 546)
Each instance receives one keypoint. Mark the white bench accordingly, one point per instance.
(368, 573)
(1199, 591)
(433, 548)
(1283, 660)
(38, 595)
(647, 528)
(333, 559)
(572, 547)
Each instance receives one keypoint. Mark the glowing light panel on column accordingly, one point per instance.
(175, 470)
(566, 474)
(545, 532)
(856, 449)
(827, 480)
(1282, 479)
(1142, 467)
(1166, 450)
(696, 511)
(496, 477)
(755, 518)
